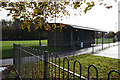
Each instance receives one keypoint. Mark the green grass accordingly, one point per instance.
(46, 48)
(104, 41)
(103, 64)
(7, 46)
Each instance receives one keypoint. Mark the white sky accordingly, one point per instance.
(98, 17)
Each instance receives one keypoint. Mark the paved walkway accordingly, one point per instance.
(3, 63)
(112, 52)
(96, 49)
(6, 62)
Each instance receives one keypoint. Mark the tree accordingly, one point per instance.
(6, 29)
(4, 23)
(10, 28)
(111, 34)
(35, 13)
(98, 35)
(118, 35)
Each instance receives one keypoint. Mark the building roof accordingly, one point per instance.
(87, 28)
(81, 27)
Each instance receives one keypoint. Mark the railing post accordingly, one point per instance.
(45, 65)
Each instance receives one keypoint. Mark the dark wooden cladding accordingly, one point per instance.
(70, 36)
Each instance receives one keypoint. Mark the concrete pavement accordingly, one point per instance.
(112, 52)
(6, 62)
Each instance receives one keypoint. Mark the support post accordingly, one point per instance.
(102, 40)
(19, 59)
(55, 29)
(97, 38)
(55, 39)
(109, 42)
(45, 65)
(72, 45)
(93, 48)
(74, 49)
(14, 54)
(71, 38)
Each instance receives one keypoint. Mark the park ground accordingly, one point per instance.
(7, 46)
(99, 60)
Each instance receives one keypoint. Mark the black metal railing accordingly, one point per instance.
(25, 59)
(74, 48)
(77, 47)
(42, 66)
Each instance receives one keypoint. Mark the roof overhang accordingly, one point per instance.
(87, 28)
(82, 27)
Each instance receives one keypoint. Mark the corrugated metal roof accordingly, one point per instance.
(87, 28)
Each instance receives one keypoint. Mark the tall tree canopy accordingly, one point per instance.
(118, 35)
(111, 34)
(36, 12)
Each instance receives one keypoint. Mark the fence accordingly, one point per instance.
(31, 63)
(76, 47)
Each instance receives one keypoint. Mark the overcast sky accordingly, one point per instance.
(98, 17)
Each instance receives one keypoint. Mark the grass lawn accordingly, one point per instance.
(7, 46)
(104, 41)
(46, 48)
(103, 64)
